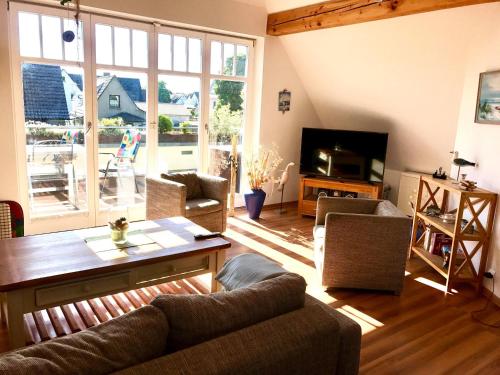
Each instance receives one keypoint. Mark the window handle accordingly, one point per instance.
(89, 126)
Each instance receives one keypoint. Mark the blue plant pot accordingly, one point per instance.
(254, 202)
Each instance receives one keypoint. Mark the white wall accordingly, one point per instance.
(284, 129)
(222, 15)
(478, 142)
(403, 76)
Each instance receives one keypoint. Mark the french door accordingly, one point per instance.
(122, 100)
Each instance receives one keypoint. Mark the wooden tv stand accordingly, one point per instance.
(308, 198)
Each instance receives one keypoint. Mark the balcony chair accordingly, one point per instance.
(50, 166)
(128, 150)
(198, 197)
(361, 243)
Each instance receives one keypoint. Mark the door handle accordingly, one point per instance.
(89, 126)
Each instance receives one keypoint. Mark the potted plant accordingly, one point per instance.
(259, 170)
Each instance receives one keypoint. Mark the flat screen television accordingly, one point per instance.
(343, 154)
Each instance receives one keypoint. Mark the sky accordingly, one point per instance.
(491, 86)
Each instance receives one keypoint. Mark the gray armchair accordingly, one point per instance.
(361, 243)
(200, 198)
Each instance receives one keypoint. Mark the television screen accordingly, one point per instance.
(343, 154)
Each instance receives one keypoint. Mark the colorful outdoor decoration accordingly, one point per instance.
(130, 145)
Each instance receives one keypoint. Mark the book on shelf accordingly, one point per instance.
(437, 241)
(429, 231)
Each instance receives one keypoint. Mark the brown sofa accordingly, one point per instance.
(201, 198)
(361, 243)
(269, 327)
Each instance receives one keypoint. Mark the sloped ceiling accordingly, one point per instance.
(403, 76)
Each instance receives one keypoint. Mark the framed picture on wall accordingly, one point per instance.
(488, 98)
(284, 100)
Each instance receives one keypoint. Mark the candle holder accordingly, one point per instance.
(119, 231)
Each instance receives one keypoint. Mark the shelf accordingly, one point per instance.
(467, 273)
(448, 228)
(451, 185)
(435, 261)
(436, 222)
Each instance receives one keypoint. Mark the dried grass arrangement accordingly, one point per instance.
(261, 166)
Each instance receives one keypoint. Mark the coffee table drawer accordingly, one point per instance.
(172, 267)
(80, 290)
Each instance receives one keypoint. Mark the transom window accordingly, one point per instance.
(40, 36)
(179, 53)
(121, 46)
(228, 59)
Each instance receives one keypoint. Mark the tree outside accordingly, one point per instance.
(229, 92)
(227, 117)
(164, 94)
(165, 124)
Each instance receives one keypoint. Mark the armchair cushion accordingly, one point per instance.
(202, 206)
(190, 179)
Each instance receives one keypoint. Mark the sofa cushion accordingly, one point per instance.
(190, 179)
(246, 269)
(197, 207)
(130, 339)
(304, 341)
(194, 319)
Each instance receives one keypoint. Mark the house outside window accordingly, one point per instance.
(114, 101)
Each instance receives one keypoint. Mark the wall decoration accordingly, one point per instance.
(284, 100)
(488, 98)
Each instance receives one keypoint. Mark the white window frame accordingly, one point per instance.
(81, 218)
(131, 212)
(93, 216)
(248, 110)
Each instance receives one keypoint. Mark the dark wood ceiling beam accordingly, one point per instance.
(336, 13)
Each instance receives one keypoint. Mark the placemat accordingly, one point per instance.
(104, 242)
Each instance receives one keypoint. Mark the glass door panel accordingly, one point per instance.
(54, 108)
(178, 123)
(121, 133)
(226, 120)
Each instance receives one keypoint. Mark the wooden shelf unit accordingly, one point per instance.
(478, 207)
(307, 201)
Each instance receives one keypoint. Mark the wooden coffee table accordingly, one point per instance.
(42, 271)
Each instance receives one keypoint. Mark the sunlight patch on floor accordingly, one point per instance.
(314, 287)
(367, 323)
(407, 273)
(256, 223)
(264, 234)
(433, 284)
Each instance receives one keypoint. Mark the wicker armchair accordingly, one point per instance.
(200, 198)
(361, 243)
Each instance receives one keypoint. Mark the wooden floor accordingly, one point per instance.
(420, 332)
